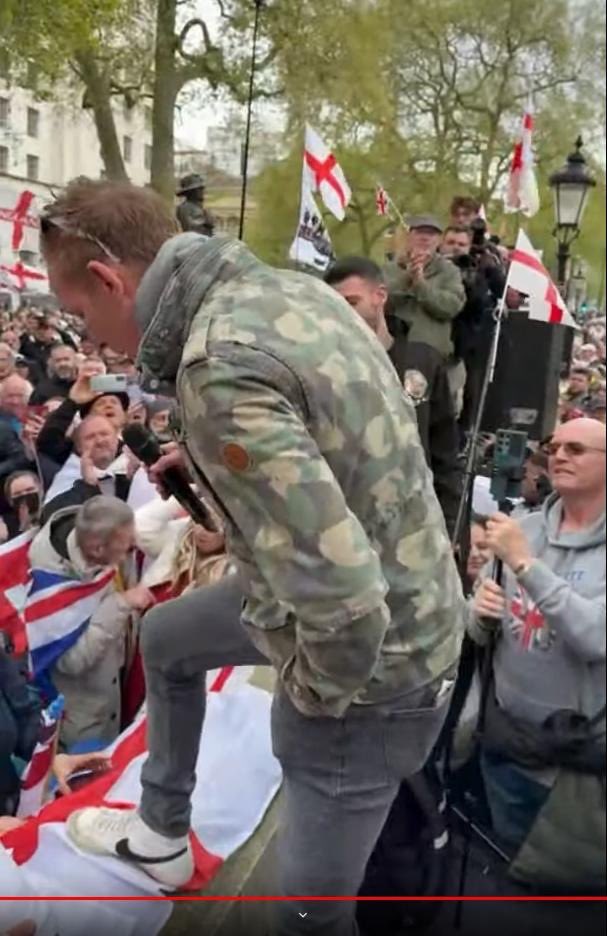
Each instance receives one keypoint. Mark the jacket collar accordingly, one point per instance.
(186, 268)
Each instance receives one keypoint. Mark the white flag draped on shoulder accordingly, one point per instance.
(312, 244)
(522, 192)
(324, 175)
(528, 275)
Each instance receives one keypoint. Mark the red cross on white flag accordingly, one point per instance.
(522, 192)
(381, 201)
(528, 275)
(324, 174)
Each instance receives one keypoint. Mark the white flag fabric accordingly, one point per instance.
(312, 244)
(528, 275)
(324, 174)
(522, 192)
(237, 777)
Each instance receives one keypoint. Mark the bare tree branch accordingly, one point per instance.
(187, 28)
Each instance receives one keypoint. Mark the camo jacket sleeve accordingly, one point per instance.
(310, 555)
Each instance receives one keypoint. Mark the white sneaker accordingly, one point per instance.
(123, 834)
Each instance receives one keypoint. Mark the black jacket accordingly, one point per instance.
(80, 492)
(50, 387)
(19, 728)
(52, 440)
(12, 452)
(435, 417)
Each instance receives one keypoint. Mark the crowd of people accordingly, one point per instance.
(66, 475)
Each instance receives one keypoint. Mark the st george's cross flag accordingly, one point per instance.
(528, 275)
(237, 777)
(382, 201)
(521, 191)
(324, 175)
(14, 584)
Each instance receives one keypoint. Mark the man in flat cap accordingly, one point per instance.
(191, 213)
(425, 294)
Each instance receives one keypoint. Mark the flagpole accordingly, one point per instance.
(469, 472)
(247, 136)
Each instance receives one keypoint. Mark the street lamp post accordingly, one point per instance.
(247, 135)
(571, 186)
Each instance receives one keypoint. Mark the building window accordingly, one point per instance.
(33, 167)
(147, 157)
(127, 148)
(33, 122)
(5, 111)
(3, 158)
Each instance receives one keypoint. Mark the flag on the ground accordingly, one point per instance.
(35, 776)
(522, 191)
(382, 202)
(14, 582)
(312, 244)
(528, 275)
(237, 777)
(57, 612)
(324, 174)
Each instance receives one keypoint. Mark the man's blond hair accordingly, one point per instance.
(96, 219)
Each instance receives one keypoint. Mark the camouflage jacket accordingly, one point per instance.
(295, 421)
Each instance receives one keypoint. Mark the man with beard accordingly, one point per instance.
(61, 370)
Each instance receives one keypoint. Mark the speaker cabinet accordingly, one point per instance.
(525, 389)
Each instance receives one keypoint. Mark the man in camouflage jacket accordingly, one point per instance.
(296, 426)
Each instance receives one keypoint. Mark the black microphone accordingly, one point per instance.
(144, 446)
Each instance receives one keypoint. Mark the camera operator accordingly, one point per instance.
(484, 279)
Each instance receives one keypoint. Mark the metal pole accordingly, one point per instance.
(247, 137)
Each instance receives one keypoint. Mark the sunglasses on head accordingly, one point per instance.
(571, 449)
(49, 221)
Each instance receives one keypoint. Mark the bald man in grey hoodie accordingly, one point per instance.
(550, 655)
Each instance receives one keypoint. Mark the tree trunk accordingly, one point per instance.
(98, 92)
(166, 88)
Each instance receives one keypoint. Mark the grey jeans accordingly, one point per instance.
(340, 775)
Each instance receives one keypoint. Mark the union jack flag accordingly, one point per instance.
(57, 612)
(14, 582)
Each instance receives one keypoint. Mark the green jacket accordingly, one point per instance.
(427, 307)
(294, 420)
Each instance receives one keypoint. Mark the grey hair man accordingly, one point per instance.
(83, 541)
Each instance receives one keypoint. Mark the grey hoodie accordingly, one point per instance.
(551, 653)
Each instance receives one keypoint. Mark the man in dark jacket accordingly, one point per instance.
(361, 282)
(61, 374)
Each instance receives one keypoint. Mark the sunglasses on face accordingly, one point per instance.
(571, 449)
(49, 221)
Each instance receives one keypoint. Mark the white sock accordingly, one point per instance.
(145, 841)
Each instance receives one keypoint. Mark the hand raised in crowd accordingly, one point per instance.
(417, 263)
(139, 598)
(489, 600)
(32, 428)
(81, 392)
(66, 765)
(88, 470)
(506, 540)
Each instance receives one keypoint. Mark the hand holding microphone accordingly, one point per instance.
(168, 470)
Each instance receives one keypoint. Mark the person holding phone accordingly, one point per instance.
(86, 397)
